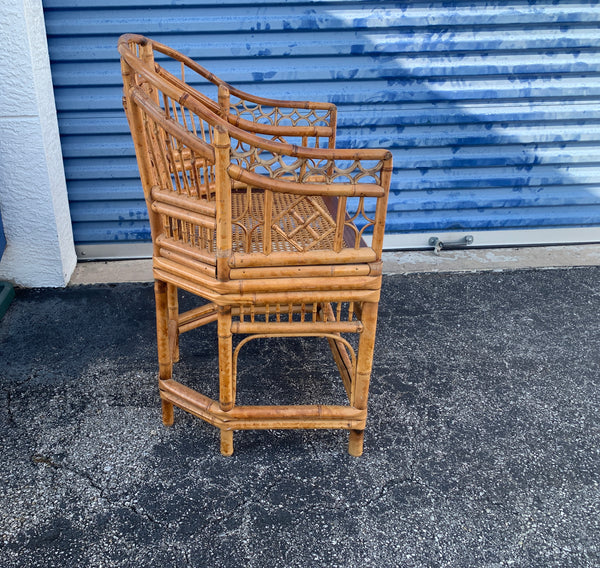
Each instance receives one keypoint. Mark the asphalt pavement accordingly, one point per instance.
(482, 446)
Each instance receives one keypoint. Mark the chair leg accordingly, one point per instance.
(355, 442)
(225, 358)
(226, 387)
(167, 413)
(165, 363)
(364, 363)
(227, 442)
(173, 325)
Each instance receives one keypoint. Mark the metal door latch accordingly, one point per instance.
(438, 245)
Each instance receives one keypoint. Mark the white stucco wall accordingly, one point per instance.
(33, 193)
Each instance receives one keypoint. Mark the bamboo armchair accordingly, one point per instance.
(259, 229)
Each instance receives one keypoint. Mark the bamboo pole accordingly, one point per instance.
(226, 442)
(316, 412)
(333, 123)
(165, 366)
(306, 420)
(198, 322)
(364, 364)
(201, 255)
(173, 327)
(267, 222)
(342, 361)
(339, 224)
(226, 386)
(193, 314)
(320, 271)
(184, 215)
(381, 206)
(135, 120)
(191, 203)
(206, 270)
(297, 188)
(223, 96)
(147, 56)
(296, 327)
(179, 210)
(223, 187)
(311, 257)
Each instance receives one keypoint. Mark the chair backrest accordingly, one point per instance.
(305, 123)
(233, 199)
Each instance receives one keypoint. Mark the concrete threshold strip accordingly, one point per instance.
(398, 262)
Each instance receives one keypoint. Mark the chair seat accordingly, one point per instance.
(289, 279)
(302, 224)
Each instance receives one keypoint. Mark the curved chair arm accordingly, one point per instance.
(306, 171)
(354, 181)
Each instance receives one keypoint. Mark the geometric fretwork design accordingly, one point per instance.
(303, 222)
(298, 223)
(280, 116)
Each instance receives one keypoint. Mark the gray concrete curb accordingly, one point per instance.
(400, 262)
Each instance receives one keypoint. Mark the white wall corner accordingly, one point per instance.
(33, 192)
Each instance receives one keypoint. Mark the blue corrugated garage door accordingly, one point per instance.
(492, 111)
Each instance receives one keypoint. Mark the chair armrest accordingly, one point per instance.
(357, 182)
(283, 113)
(311, 171)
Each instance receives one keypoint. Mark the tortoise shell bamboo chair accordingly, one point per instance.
(259, 229)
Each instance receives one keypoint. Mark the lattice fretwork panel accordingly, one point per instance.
(360, 218)
(297, 223)
(282, 166)
(301, 223)
(280, 116)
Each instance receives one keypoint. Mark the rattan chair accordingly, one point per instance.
(260, 230)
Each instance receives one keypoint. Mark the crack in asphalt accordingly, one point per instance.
(104, 493)
(11, 418)
(247, 502)
(9, 396)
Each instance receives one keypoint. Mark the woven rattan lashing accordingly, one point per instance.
(253, 209)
